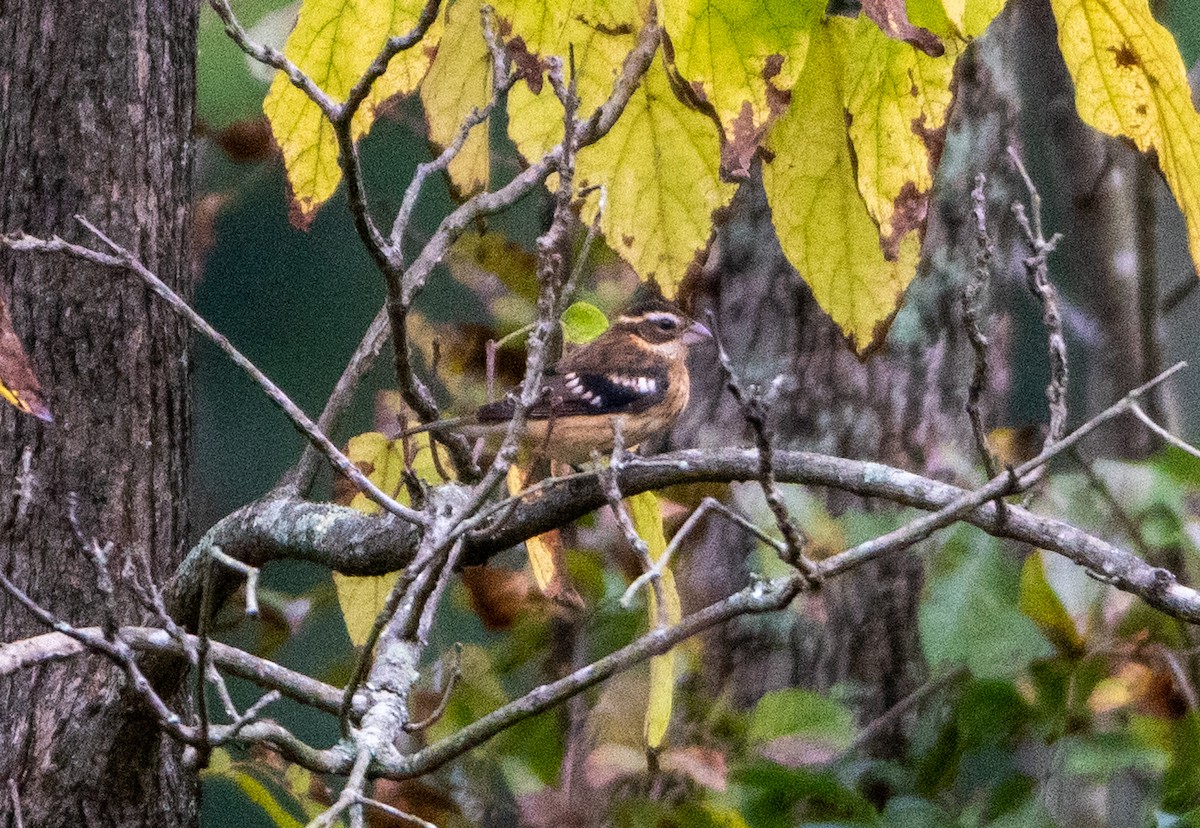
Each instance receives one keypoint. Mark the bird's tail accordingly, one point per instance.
(440, 425)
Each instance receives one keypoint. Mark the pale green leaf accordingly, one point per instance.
(970, 612)
(796, 712)
(583, 322)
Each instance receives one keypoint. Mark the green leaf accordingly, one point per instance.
(1100, 756)
(1042, 605)
(776, 797)
(796, 712)
(1130, 81)
(970, 612)
(912, 812)
(583, 322)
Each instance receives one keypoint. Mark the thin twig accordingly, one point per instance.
(391, 47)
(1037, 275)
(444, 702)
(269, 56)
(977, 280)
(250, 572)
(56, 646)
(1005, 484)
(124, 260)
(394, 812)
(119, 653)
(693, 520)
(754, 411)
(892, 714)
(1170, 438)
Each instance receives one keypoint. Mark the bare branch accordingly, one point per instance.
(269, 56)
(754, 410)
(124, 260)
(977, 280)
(57, 646)
(1017, 480)
(1170, 438)
(1037, 274)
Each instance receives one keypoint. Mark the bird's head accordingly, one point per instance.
(661, 326)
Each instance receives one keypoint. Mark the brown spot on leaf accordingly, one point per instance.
(772, 66)
(527, 65)
(602, 28)
(628, 240)
(1141, 109)
(1125, 56)
(737, 150)
(934, 140)
(911, 208)
(890, 16)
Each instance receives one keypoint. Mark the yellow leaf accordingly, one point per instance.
(362, 599)
(660, 163)
(600, 34)
(954, 18)
(822, 221)
(460, 80)
(540, 548)
(1130, 81)
(333, 43)
(646, 513)
(738, 57)
(896, 97)
(661, 167)
(382, 460)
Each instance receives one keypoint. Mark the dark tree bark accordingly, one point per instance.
(96, 110)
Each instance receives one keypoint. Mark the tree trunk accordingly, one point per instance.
(96, 108)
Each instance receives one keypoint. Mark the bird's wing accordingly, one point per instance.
(576, 393)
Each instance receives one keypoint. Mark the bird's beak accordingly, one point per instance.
(696, 333)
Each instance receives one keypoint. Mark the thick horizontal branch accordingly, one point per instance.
(338, 537)
(355, 544)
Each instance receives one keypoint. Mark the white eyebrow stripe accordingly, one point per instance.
(661, 316)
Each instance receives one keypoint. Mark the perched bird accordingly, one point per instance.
(636, 371)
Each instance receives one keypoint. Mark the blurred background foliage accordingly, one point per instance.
(1043, 681)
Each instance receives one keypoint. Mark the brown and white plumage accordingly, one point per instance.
(635, 372)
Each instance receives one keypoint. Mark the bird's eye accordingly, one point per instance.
(667, 323)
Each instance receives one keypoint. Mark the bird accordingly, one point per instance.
(635, 373)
